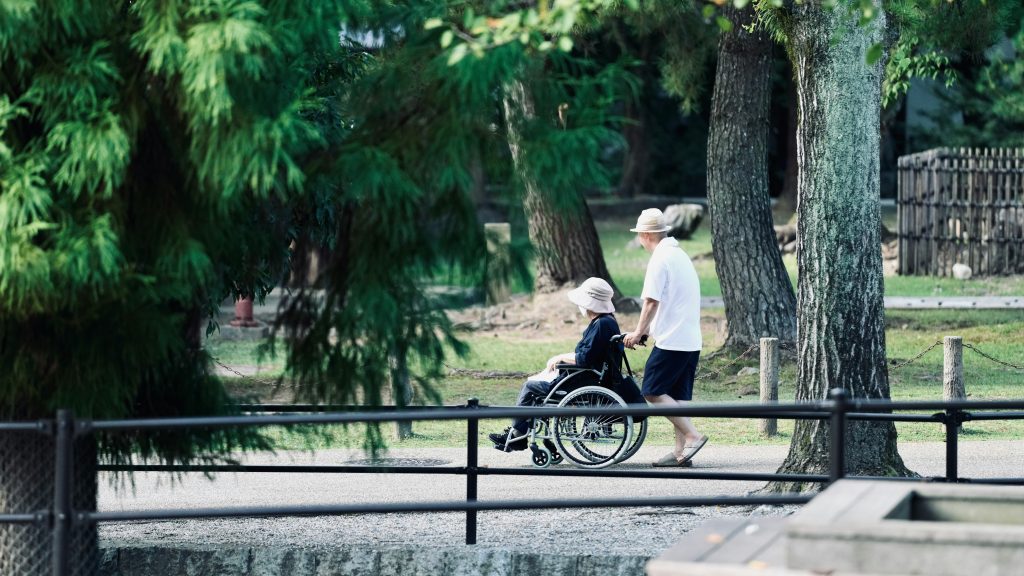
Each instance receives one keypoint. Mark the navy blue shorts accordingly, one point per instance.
(670, 372)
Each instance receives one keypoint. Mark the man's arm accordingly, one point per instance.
(643, 327)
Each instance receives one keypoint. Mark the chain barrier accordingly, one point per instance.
(507, 374)
(485, 374)
(917, 357)
(240, 375)
(992, 358)
(716, 373)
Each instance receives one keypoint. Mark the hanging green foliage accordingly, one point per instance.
(159, 156)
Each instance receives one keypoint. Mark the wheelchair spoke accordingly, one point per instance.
(593, 440)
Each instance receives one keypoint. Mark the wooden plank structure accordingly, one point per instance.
(961, 206)
(754, 546)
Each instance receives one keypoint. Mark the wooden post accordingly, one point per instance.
(499, 261)
(953, 369)
(769, 382)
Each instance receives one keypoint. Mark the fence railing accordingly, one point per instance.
(838, 409)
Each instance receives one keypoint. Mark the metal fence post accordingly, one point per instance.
(472, 431)
(62, 492)
(837, 435)
(952, 421)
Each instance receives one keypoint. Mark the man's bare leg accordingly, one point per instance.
(684, 428)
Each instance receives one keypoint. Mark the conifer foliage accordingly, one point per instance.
(159, 156)
(148, 153)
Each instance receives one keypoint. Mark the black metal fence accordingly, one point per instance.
(837, 410)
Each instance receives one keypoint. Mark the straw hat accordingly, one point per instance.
(651, 220)
(595, 295)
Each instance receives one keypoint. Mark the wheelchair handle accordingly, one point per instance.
(618, 338)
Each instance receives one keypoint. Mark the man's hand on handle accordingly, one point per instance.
(633, 338)
(643, 327)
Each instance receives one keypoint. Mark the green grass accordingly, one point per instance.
(908, 332)
(236, 353)
(627, 266)
(933, 286)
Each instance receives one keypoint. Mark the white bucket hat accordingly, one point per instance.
(651, 220)
(595, 295)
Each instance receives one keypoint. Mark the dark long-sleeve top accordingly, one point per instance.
(594, 347)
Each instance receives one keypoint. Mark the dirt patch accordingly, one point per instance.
(552, 317)
(257, 390)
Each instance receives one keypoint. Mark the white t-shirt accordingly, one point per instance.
(672, 280)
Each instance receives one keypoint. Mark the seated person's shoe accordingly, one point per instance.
(517, 445)
(501, 440)
(499, 437)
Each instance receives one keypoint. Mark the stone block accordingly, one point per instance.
(544, 565)
(275, 561)
(157, 560)
(909, 528)
(344, 561)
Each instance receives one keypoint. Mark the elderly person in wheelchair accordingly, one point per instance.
(597, 354)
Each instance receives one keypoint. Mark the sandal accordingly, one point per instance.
(670, 461)
(695, 448)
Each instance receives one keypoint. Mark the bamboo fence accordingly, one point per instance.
(961, 206)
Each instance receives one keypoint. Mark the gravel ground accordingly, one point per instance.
(628, 531)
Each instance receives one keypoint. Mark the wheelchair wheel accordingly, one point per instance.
(556, 456)
(593, 441)
(639, 435)
(541, 456)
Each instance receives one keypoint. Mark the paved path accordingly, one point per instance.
(645, 531)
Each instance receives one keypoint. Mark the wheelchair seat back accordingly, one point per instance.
(574, 378)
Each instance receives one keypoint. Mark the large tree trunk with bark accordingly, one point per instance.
(567, 249)
(636, 163)
(840, 322)
(26, 486)
(786, 202)
(758, 295)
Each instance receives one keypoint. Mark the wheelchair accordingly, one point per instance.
(592, 441)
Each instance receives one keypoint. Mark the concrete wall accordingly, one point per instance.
(460, 561)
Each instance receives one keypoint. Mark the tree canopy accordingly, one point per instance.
(157, 157)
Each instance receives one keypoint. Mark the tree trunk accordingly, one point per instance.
(636, 162)
(786, 203)
(567, 249)
(26, 485)
(401, 390)
(758, 295)
(840, 323)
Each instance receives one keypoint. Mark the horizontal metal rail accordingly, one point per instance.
(307, 408)
(282, 469)
(657, 474)
(886, 417)
(865, 405)
(461, 470)
(37, 518)
(443, 506)
(721, 410)
(981, 416)
(857, 410)
(838, 410)
(26, 426)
